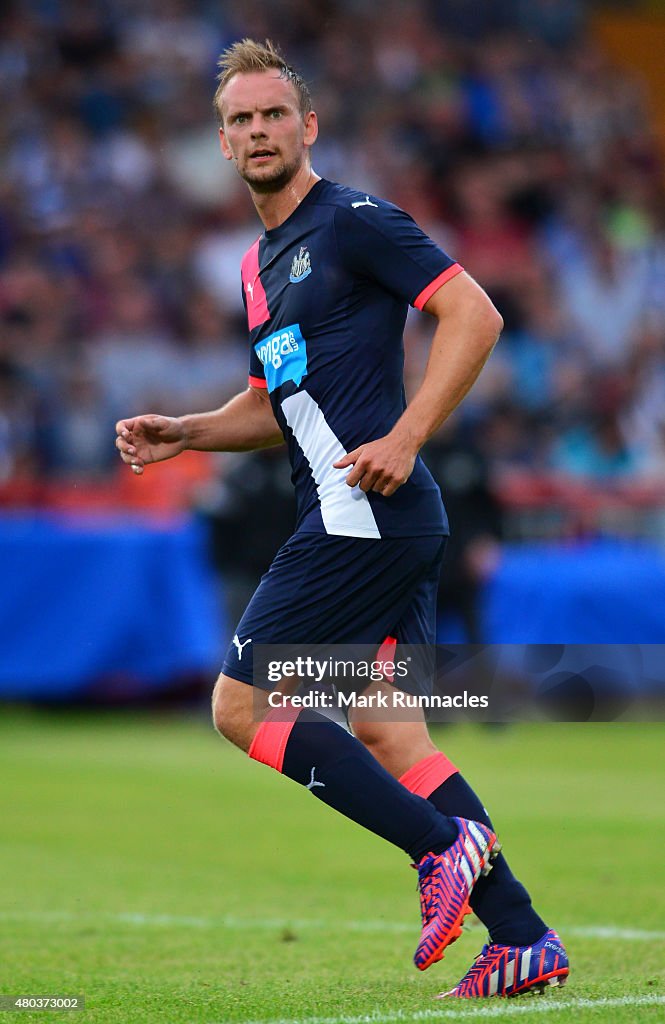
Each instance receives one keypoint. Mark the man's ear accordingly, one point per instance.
(311, 128)
(226, 149)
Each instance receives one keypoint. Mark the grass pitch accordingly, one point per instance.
(150, 867)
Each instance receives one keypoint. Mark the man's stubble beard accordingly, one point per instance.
(279, 179)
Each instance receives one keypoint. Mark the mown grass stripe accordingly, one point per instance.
(608, 932)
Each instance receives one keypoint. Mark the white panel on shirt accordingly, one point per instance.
(345, 510)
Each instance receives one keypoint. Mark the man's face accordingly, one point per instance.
(264, 131)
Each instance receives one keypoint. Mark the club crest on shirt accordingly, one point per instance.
(301, 266)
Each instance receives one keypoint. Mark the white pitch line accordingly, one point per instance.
(503, 1009)
(610, 933)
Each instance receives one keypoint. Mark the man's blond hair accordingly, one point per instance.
(246, 56)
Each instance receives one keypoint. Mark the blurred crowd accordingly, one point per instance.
(502, 128)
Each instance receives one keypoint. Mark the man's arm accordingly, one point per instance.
(245, 423)
(467, 330)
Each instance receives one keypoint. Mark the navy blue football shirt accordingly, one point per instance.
(326, 295)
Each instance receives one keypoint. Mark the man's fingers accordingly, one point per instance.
(355, 476)
(390, 483)
(128, 455)
(374, 480)
(131, 460)
(348, 459)
(125, 446)
(369, 472)
(369, 482)
(362, 472)
(156, 423)
(150, 422)
(364, 476)
(380, 483)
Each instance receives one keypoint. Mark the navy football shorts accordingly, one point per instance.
(323, 589)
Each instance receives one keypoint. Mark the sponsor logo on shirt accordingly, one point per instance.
(301, 266)
(284, 356)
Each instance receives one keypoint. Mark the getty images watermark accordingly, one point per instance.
(462, 682)
(342, 683)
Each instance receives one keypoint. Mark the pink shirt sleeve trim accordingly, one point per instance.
(434, 285)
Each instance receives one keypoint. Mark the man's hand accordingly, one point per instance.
(382, 465)
(145, 439)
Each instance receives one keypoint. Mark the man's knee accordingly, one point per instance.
(396, 745)
(234, 712)
(374, 735)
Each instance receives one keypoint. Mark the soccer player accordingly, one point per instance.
(326, 289)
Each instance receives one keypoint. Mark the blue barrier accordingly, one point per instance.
(596, 592)
(87, 601)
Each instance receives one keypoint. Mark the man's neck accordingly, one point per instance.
(275, 207)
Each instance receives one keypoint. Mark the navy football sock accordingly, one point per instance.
(499, 900)
(339, 770)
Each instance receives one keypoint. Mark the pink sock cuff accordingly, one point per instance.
(269, 744)
(427, 775)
